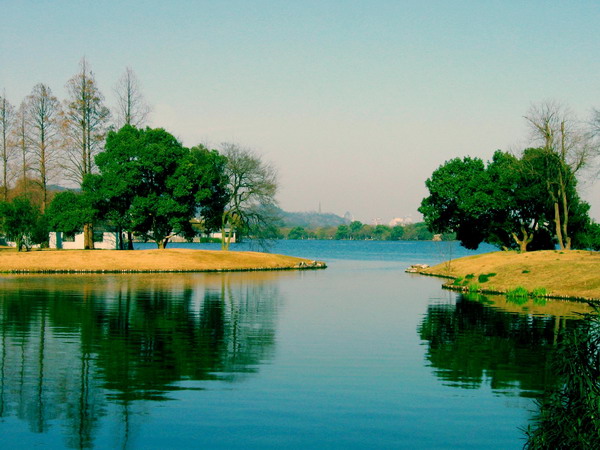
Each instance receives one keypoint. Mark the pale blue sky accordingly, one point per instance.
(355, 102)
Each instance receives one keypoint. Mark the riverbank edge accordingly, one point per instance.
(148, 261)
(466, 290)
(441, 271)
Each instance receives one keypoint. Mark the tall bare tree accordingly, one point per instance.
(85, 120)
(42, 120)
(554, 127)
(252, 186)
(7, 119)
(132, 108)
(21, 144)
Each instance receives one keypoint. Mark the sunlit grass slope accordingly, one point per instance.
(168, 260)
(560, 273)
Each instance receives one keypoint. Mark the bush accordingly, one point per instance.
(569, 415)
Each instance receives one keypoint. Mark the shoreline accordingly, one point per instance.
(550, 274)
(147, 261)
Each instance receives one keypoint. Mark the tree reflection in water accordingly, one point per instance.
(471, 343)
(72, 346)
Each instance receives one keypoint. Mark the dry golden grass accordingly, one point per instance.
(571, 273)
(168, 260)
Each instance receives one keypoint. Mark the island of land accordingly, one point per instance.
(568, 274)
(166, 260)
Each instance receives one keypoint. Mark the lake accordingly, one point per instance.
(360, 355)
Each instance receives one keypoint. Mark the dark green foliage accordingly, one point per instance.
(343, 232)
(504, 203)
(396, 233)
(150, 184)
(69, 211)
(485, 277)
(569, 417)
(23, 223)
(417, 232)
(298, 233)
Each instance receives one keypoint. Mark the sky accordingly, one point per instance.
(355, 103)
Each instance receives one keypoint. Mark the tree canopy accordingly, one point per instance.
(151, 184)
(504, 203)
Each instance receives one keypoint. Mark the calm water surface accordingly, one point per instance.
(360, 355)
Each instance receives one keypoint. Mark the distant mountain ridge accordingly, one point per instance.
(310, 219)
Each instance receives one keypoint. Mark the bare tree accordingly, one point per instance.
(555, 128)
(84, 123)
(252, 187)
(132, 108)
(7, 118)
(85, 120)
(594, 128)
(21, 143)
(42, 120)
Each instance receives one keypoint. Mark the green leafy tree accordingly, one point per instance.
(113, 191)
(504, 204)
(417, 232)
(23, 223)
(342, 232)
(396, 233)
(150, 184)
(456, 201)
(297, 233)
(355, 228)
(558, 132)
(381, 232)
(69, 212)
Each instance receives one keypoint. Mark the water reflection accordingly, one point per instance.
(508, 346)
(74, 347)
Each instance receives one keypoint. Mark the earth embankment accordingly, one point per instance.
(167, 260)
(571, 274)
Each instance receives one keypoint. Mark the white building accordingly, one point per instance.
(108, 242)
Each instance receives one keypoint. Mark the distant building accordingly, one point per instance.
(348, 217)
(402, 221)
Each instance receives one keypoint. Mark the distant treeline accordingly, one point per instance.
(361, 232)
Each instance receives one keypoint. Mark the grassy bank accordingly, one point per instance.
(558, 274)
(168, 260)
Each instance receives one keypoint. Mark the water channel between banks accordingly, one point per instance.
(360, 355)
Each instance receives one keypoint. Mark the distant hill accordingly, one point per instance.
(310, 219)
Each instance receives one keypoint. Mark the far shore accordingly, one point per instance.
(572, 274)
(140, 261)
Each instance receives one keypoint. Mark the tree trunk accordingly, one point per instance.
(224, 239)
(558, 226)
(565, 220)
(88, 236)
(129, 240)
(523, 243)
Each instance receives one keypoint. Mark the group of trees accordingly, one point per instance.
(130, 179)
(358, 231)
(526, 201)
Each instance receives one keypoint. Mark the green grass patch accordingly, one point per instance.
(458, 281)
(485, 277)
(470, 276)
(525, 271)
(474, 287)
(518, 295)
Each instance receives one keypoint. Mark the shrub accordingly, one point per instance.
(568, 415)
